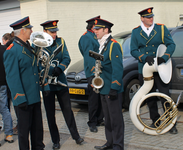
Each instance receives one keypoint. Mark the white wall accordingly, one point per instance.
(72, 15)
(9, 13)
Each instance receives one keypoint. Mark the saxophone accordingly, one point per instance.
(97, 81)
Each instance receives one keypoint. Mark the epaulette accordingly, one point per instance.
(85, 33)
(10, 46)
(159, 24)
(136, 27)
(113, 40)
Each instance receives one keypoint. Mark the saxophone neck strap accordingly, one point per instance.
(105, 44)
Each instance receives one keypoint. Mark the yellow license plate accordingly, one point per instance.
(77, 91)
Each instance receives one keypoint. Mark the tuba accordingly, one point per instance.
(97, 81)
(42, 39)
(169, 114)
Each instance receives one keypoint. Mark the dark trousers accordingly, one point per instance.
(152, 101)
(30, 121)
(114, 124)
(94, 106)
(65, 105)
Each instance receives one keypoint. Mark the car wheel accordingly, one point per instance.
(130, 91)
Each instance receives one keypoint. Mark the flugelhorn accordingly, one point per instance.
(42, 39)
(168, 119)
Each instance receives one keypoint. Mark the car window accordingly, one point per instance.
(119, 40)
(126, 47)
(178, 39)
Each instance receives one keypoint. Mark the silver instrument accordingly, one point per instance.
(54, 80)
(169, 117)
(97, 81)
(42, 39)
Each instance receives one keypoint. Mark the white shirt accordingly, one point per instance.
(147, 30)
(102, 41)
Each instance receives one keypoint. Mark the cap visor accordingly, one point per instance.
(149, 16)
(29, 26)
(53, 30)
(97, 27)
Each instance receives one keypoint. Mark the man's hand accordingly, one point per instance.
(160, 60)
(23, 106)
(149, 60)
(56, 72)
(113, 94)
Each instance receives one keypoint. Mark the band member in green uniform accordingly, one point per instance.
(88, 41)
(111, 92)
(144, 43)
(23, 80)
(61, 92)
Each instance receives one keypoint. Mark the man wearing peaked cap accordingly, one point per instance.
(146, 13)
(62, 93)
(22, 23)
(23, 80)
(111, 92)
(145, 40)
(50, 25)
(88, 41)
(100, 23)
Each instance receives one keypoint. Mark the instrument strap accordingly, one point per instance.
(105, 43)
(26, 45)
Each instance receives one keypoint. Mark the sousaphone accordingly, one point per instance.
(138, 110)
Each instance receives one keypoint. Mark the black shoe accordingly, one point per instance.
(103, 147)
(79, 141)
(56, 146)
(173, 130)
(93, 129)
(100, 123)
(153, 124)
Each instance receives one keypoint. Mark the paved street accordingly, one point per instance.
(134, 139)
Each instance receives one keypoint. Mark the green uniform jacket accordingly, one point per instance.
(64, 60)
(22, 74)
(88, 41)
(143, 46)
(112, 68)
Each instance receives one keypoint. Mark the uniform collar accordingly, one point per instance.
(90, 31)
(147, 30)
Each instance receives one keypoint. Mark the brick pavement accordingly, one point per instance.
(134, 139)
